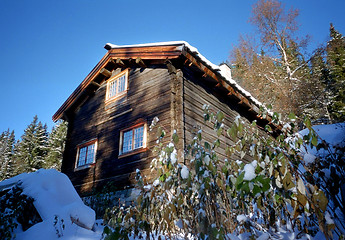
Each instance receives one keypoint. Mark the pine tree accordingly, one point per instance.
(31, 151)
(336, 82)
(56, 146)
(7, 140)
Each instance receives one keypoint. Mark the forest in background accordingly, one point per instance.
(37, 148)
(274, 65)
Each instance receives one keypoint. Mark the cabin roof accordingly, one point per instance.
(141, 54)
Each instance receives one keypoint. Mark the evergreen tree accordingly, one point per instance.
(7, 140)
(315, 103)
(56, 146)
(31, 151)
(336, 81)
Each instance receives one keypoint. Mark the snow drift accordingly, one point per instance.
(60, 207)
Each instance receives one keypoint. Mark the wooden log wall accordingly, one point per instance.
(199, 91)
(148, 96)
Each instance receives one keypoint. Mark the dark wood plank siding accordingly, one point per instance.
(197, 92)
(148, 96)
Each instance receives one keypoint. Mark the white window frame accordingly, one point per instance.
(117, 94)
(133, 150)
(87, 145)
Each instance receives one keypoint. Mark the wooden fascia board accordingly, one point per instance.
(145, 53)
(83, 85)
(151, 52)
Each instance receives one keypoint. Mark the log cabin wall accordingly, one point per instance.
(198, 91)
(149, 95)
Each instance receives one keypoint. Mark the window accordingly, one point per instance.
(133, 139)
(117, 86)
(86, 154)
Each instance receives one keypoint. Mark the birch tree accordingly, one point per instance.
(275, 61)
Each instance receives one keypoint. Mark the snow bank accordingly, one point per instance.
(332, 134)
(56, 201)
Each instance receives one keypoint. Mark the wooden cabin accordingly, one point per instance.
(110, 112)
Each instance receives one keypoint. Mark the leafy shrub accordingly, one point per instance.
(206, 196)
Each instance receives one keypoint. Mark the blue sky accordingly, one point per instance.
(48, 47)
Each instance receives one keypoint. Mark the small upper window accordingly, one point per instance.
(86, 154)
(117, 86)
(133, 139)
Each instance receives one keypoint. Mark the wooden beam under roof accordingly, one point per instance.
(105, 72)
(95, 84)
(140, 62)
(120, 62)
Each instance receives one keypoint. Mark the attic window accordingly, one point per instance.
(86, 154)
(117, 86)
(133, 139)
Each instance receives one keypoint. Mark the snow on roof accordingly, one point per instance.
(54, 195)
(224, 70)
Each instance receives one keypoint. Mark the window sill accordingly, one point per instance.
(116, 98)
(84, 167)
(133, 152)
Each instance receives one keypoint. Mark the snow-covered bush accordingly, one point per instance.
(16, 210)
(209, 197)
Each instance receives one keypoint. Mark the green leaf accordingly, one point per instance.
(207, 145)
(245, 187)
(314, 141)
(307, 123)
(268, 128)
(232, 132)
(239, 180)
(264, 181)
(175, 138)
(220, 116)
(106, 230)
(219, 131)
(216, 143)
(199, 136)
(242, 154)
(256, 190)
(240, 127)
(292, 116)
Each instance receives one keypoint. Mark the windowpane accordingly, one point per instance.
(122, 83)
(86, 155)
(82, 156)
(127, 141)
(138, 137)
(116, 86)
(112, 89)
(90, 154)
